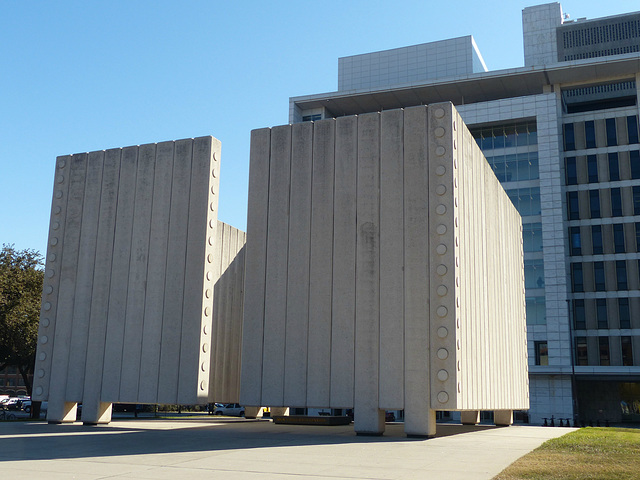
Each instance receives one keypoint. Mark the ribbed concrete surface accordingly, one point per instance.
(242, 449)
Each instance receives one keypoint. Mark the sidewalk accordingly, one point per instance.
(257, 449)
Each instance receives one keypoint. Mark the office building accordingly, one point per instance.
(561, 134)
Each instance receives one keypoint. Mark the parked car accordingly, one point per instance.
(229, 409)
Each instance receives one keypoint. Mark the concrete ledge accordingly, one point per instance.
(325, 420)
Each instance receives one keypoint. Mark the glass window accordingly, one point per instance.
(621, 274)
(627, 351)
(612, 139)
(592, 168)
(603, 343)
(590, 133)
(573, 206)
(569, 138)
(575, 243)
(636, 200)
(579, 318)
(581, 351)
(594, 203)
(623, 313)
(526, 200)
(542, 353)
(572, 173)
(616, 202)
(536, 311)
(577, 280)
(510, 136)
(596, 239)
(534, 273)
(634, 161)
(632, 128)
(601, 313)
(614, 168)
(618, 238)
(599, 277)
(532, 237)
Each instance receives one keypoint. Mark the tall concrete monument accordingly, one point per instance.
(384, 271)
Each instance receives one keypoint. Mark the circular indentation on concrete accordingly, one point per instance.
(455, 163)
(212, 223)
(61, 164)
(215, 158)
(457, 242)
(442, 353)
(207, 293)
(442, 311)
(211, 241)
(44, 339)
(203, 367)
(40, 373)
(212, 206)
(45, 322)
(443, 332)
(48, 290)
(55, 225)
(440, 170)
(455, 221)
(50, 273)
(458, 365)
(60, 179)
(439, 132)
(458, 322)
(457, 261)
(47, 306)
(441, 270)
(58, 194)
(441, 249)
(209, 276)
(441, 229)
(54, 241)
(455, 182)
(443, 375)
(214, 171)
(441, 209)
(39, 390)
(455, 201)
(52, 257)
(455, 126)
(439, 113)
(458, 302)
(443, 397)
(458, 344)
(459, 387)
(57, 210)
(440, 151)
(213, 190)
(455, 144)
(207, 311)
(442, 290)
(42, 357)
(210, 258)
(441, 189)
(205, 329)
(205, 347)
(203, 385)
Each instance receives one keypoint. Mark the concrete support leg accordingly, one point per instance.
(251, 412)
(278, 411)
(97, 414)
(470, 418)
(368, 421)
(422, 425)
(503, 417)
(62, 412)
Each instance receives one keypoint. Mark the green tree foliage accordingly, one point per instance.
(21, 278)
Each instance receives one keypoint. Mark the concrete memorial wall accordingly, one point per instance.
(127, 302)
(384, 271)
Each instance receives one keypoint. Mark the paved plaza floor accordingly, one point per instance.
(257, 449)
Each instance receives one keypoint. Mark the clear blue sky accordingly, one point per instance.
(78, 76)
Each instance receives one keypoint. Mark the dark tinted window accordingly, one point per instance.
(579, 319)
(590, 133)
(575, 243)
(576, 277)
(612, 139)
(618, 238)
(581, 351)
(592, 168)
(598, 275)
(636, 200)
(627, 351)
(614, 169)
(616, 203)
(634, 160)
(594, 203)
(569, 138)
(623, 313)
(596, 239)
(572, 174)
(632, 128)
(621, 274)
(603, 343)
(573, 206)
(601, 313)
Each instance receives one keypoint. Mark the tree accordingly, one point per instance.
(21, 277)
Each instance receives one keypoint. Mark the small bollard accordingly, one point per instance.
(553, 423)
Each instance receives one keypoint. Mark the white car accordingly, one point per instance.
(229, 409)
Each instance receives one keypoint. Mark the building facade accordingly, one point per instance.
(562, 136)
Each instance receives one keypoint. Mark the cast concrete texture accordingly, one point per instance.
(126, 310)
(258, 449)
(412, 255)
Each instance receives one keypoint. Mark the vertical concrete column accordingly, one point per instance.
(503, 417)
(251, 412)
(418, 416)
(277, 411)
(471, 417)
(369, 419)
(255, 269)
